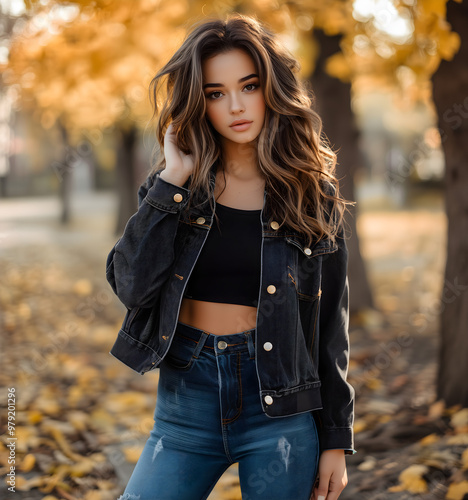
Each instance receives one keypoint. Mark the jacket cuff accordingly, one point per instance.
(341, 438)
(167, 196)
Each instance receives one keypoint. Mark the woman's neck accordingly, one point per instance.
(240, 161)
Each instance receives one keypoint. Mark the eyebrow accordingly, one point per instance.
(221, 85)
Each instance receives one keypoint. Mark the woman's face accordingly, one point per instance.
(232, 92)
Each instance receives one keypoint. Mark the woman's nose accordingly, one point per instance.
(236, 104)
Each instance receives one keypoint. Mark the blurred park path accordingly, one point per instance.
(35, 221)
(83, 417)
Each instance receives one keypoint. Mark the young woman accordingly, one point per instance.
(234, 275)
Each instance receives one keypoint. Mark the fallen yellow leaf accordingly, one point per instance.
(374, 384)
(93, 495)
(457, 491)
(359, 425)
(464, 459)
(61, 441)
(429, 439)
(54, 480)
(23, 484)
(28, 462)
(411, 480)
(436, 410)
(81, 468)
(459, 421)
(34, 417)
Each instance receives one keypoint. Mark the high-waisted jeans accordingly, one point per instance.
(208, 416)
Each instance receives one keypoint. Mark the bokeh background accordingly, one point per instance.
(390, 80)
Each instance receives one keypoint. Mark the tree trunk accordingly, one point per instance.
(334, 107)
(126, 176)
(449, 92)
(64, 170)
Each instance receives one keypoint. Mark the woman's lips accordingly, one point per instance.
(241, 127)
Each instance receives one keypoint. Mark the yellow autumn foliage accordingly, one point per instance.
(464, 459)
(459, 420)
(457, 491)
(28, 462)
(94, 70)
(411, 480)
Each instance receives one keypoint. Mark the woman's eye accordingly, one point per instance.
(253, 85)
(211, 96)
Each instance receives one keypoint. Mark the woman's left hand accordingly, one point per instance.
(332, 475)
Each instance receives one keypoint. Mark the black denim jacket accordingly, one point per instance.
(302, 307)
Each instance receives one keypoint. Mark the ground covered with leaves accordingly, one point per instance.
(81, 418)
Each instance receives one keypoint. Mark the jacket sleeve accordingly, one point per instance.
(337, 416)
(140, 262)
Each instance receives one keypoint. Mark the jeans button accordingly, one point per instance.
(222, 345)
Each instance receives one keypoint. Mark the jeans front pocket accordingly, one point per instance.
(181, 353)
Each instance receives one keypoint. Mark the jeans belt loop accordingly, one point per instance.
(250, 344)
(201, 344)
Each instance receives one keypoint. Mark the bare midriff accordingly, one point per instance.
(217, 318)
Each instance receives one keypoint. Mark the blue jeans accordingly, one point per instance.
(208, 416)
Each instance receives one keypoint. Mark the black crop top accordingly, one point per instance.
(228, 267)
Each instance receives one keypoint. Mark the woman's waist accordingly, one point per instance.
(217, 318)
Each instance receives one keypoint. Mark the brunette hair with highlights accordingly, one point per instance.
(292, 151)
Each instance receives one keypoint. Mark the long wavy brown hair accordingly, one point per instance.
(292, 152)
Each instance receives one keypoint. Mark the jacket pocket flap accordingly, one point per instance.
(320, 247)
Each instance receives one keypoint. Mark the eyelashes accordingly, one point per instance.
(212, 98)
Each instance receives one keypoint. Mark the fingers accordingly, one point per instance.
(321, 490)
(327, 489)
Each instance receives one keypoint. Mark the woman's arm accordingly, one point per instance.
(140, 262)
(335, 420)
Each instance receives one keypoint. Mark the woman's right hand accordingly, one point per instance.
(179, 166)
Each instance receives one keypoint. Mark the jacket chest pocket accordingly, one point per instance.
(305, 269)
